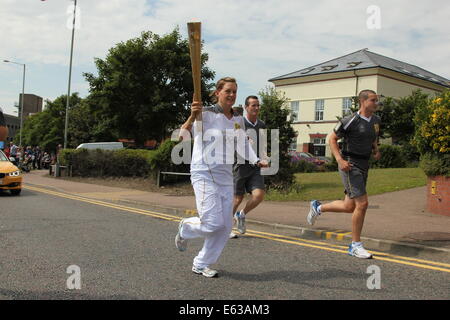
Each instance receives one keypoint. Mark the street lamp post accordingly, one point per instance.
(70, 75)
(21, 100)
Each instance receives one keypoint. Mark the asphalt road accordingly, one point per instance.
(128, 254)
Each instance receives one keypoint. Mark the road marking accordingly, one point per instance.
(422, 266)
(107, 204)
(419, 263)
(377, 253)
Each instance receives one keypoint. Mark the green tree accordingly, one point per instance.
(144, 86)
(276, 116)
(397, 116)
(46, 128)
(432, 135)
(86, 124)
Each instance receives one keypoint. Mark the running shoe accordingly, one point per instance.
(359, 251)
(180, 243)
(313, 213)
(233, 235)
(207, 272)
(240, 218)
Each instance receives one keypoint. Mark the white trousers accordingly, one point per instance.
(214, 223)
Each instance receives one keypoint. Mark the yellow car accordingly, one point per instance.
(10, 176)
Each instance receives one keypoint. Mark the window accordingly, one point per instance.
(328, 68)
(320, 106)
(307, 70)
(295, 105)
(319, 141)
(353, 64)
(319, 146)
(293, 145)
(346, 106)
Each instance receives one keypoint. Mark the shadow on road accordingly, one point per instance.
(310, 278)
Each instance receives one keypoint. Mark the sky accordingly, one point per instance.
(250, 40)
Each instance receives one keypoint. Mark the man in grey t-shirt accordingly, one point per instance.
(247, 177)
(360, 133)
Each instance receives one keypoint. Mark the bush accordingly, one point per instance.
(136, 163)
(410, 152)
(331, 166)
(275, 116)
(434, 165)
(300, 166)
(121, 163)
(432, 136)
(433, 126)
(391, 157)
(117, 163)
(161, 158)
(284, 178)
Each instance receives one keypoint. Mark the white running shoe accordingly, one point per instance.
(359, 251)
(313, 213)
(233, 235)
(180, 243)
(240, 218)
(207, 272)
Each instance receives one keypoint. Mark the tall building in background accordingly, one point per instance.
(13, 124)
(32, 104)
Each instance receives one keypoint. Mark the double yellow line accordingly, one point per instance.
(105, 204)
(419, 263)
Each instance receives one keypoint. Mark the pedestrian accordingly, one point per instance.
(52, 158)
(247, 177)
(19, 156)
(46, 160)
(360, 132)
(37, 158)
(13, 152)
(211, 174)
(28, 158)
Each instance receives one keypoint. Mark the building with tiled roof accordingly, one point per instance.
(321, 93)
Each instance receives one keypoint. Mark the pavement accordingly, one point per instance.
(395, 222)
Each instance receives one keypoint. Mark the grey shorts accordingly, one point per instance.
(247, 178)
(354, 182)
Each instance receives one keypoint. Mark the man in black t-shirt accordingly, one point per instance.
(247, 177)
(360, 133)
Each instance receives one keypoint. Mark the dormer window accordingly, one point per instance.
(328, 68)
(307, 71)
(353, 64)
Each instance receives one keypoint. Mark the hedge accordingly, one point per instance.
(391, 157)
(435, 165)
(121, 163)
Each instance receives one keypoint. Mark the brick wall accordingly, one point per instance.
(439, 202)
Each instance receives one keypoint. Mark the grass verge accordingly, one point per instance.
(328, 185)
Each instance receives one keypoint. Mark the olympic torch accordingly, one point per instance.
(194, 31)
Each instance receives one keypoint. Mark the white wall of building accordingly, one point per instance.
(332, 88)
